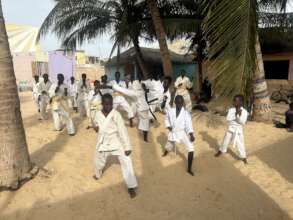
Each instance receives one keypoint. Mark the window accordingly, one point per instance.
(276, 69)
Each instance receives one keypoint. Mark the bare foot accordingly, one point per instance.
(132, 193)
(190, 172)
(219, 153)
(95, 178)
(165, 153)
(245, 161)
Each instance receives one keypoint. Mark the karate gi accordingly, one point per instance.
(44, 89)
(155, 92)
(134, 86)
(235, 131)
(82, 99)
(95, 105)
(113, 140)
(167, 97)
(72, 101)
(60, 109)
(181, 128)
(36, 95)
(119, 100)
(183, 91)
(142, 105)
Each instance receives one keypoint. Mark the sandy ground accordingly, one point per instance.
(222, 188)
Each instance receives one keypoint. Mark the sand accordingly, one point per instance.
(223, 188)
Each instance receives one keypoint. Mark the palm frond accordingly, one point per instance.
(230, 28)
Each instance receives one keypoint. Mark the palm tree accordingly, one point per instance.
(77, 21)
(231, 29)
(161, 36)
(15, 164)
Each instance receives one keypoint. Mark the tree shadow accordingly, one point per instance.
(44, 154)
(279, 157)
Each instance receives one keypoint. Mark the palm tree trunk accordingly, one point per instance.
(262, 109)
(161, 36)
(140, 59)
(15, 164)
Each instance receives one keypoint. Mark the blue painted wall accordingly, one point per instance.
(190, 69)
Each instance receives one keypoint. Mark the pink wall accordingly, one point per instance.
(23, 66)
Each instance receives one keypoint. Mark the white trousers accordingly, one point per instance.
(120, 101)
(100, 160)
(72, 102)
(238, 142)
(143, 120)
(187, 100)
(61, 118)
(83, 108)
(181, 138)
(93, 113)
(44, 101)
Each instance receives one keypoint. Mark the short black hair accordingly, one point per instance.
(240, 97)
(107, 96)
(179, 97)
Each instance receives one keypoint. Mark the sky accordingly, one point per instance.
(33, 13)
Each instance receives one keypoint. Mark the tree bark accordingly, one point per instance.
(15, 164)
(262, 109)
(161, 36)
(140, 59)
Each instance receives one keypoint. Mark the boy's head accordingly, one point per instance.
(72, 79)
(117, 75)
(36, 77)
(83, 76)
(179, 101)
(238, 101)
(60, 78)
(97, 84)
(45, 77)
(104, 79)
(183, 73)
(167, 81)
(107, 102)
(291, 106)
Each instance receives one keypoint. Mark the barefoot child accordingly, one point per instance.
(179, 123)
(59, 105)
(237, 117)
(95, 102)
(113, 140)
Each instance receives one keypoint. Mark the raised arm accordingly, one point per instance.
(242, 118)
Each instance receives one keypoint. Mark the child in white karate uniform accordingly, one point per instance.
(179, 123)
(59, 105)
(113, 140)
(95, 102)
(236, 118)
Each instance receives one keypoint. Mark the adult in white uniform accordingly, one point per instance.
(44, 88)
(83, 90)
(119, 100)
(113, 140)
(236, 118)
(182, 85)
(73, 94)
(36, 94)
(60, 108)
(179, 123)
